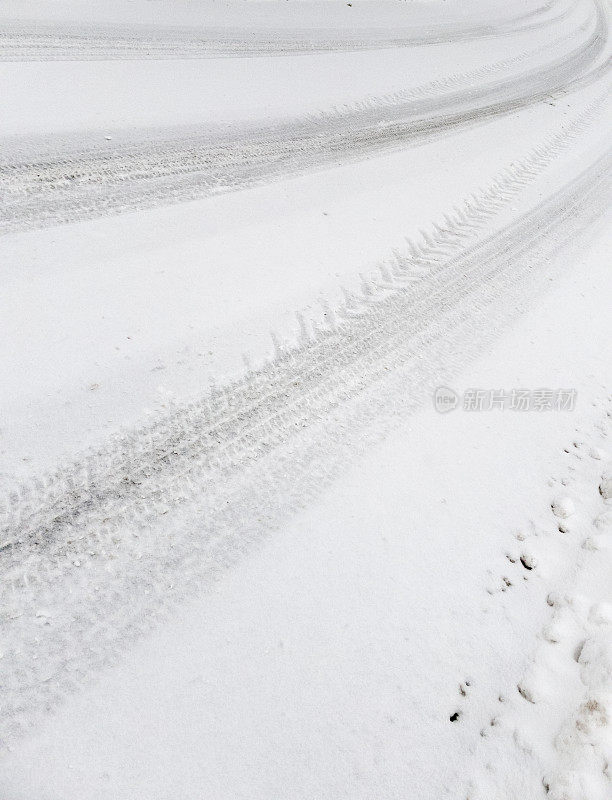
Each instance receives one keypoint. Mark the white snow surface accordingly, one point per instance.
(243, 554)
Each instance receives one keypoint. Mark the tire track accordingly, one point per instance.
(32, 507)
(451, 82)
(35, 41)
(67, 186)
(217, 412)
(99, 563)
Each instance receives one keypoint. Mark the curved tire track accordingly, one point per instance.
(68, 186)
(26, 41)
(99, 551)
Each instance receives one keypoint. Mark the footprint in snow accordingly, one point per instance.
(605, 485)
(563, 507)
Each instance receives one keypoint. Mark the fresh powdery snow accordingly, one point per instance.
(306, 400)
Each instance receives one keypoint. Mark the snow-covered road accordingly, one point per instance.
(281, 570)
(109, 33)
(153, 168)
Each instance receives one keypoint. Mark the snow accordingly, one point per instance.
(385, 14)
(204, 282)
(330, 659)
(216, 91)
(243, 554)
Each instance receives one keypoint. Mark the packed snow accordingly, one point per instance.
(306, 404)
